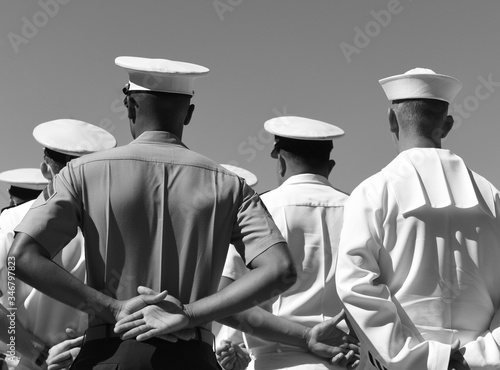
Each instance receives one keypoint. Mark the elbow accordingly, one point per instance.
(16, 253)
(22, 254)
(288, 275)
(17, 256)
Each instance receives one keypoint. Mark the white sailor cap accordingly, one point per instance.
(248, 176)
(421, 83)
(25, 178)
(73, 137)
(301, 128)
(162, 75)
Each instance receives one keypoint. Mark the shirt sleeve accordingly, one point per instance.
(234, 267)
(54, 218)
(254, 230)
(388, 337)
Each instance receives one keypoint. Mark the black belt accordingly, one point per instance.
(106, 331)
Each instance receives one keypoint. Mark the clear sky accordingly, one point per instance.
(320, 59)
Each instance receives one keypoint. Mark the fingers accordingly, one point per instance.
(135, 331)
(148, 334)
(154, 298)
(130, 329)
(351, 341)
(325, 350)
(71, 333)
(147, 291)
(227, 358)
(62, 365)
(336, 360)
(63, 360)
(353, 365)
(128, 321)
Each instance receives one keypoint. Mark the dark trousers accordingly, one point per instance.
(153, 354)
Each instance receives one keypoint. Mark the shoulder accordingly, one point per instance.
(374, 188)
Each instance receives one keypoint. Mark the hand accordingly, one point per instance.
(62, 355)
(457, 360)
(185, 334)
(328, 341)
(164, 319)
(134, 304)
(231, 356)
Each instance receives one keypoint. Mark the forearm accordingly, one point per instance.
(34, 266)
(263, 324)
(273, 274)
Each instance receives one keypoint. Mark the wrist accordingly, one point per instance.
(305, 337)
(187, 309)
(113, 310)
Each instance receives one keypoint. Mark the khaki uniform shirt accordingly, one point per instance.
(153, 213)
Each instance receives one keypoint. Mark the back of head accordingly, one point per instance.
(420, 116)
(310, 153)
(160, 109)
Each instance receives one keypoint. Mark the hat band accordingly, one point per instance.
(23, 193)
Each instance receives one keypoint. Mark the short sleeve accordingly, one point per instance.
(254, 230)
(234, 268)
(54, 218)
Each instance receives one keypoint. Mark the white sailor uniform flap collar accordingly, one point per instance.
(437, 178)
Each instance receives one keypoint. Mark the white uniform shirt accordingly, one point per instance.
(41, 315)
(308, 211)
(418, 264)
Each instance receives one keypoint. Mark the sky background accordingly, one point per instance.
(320, 59)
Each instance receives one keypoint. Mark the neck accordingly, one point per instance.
(142, 126)
(417, 142)
(305, 170)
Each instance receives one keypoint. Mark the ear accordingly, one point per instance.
(331, 164)
(281, 165)
(132, 105)
(189, 114)
(393, 122)
(448, 125)
(47, 171)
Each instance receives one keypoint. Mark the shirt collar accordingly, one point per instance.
(158, 137)
(436, 178)
(308, 178)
